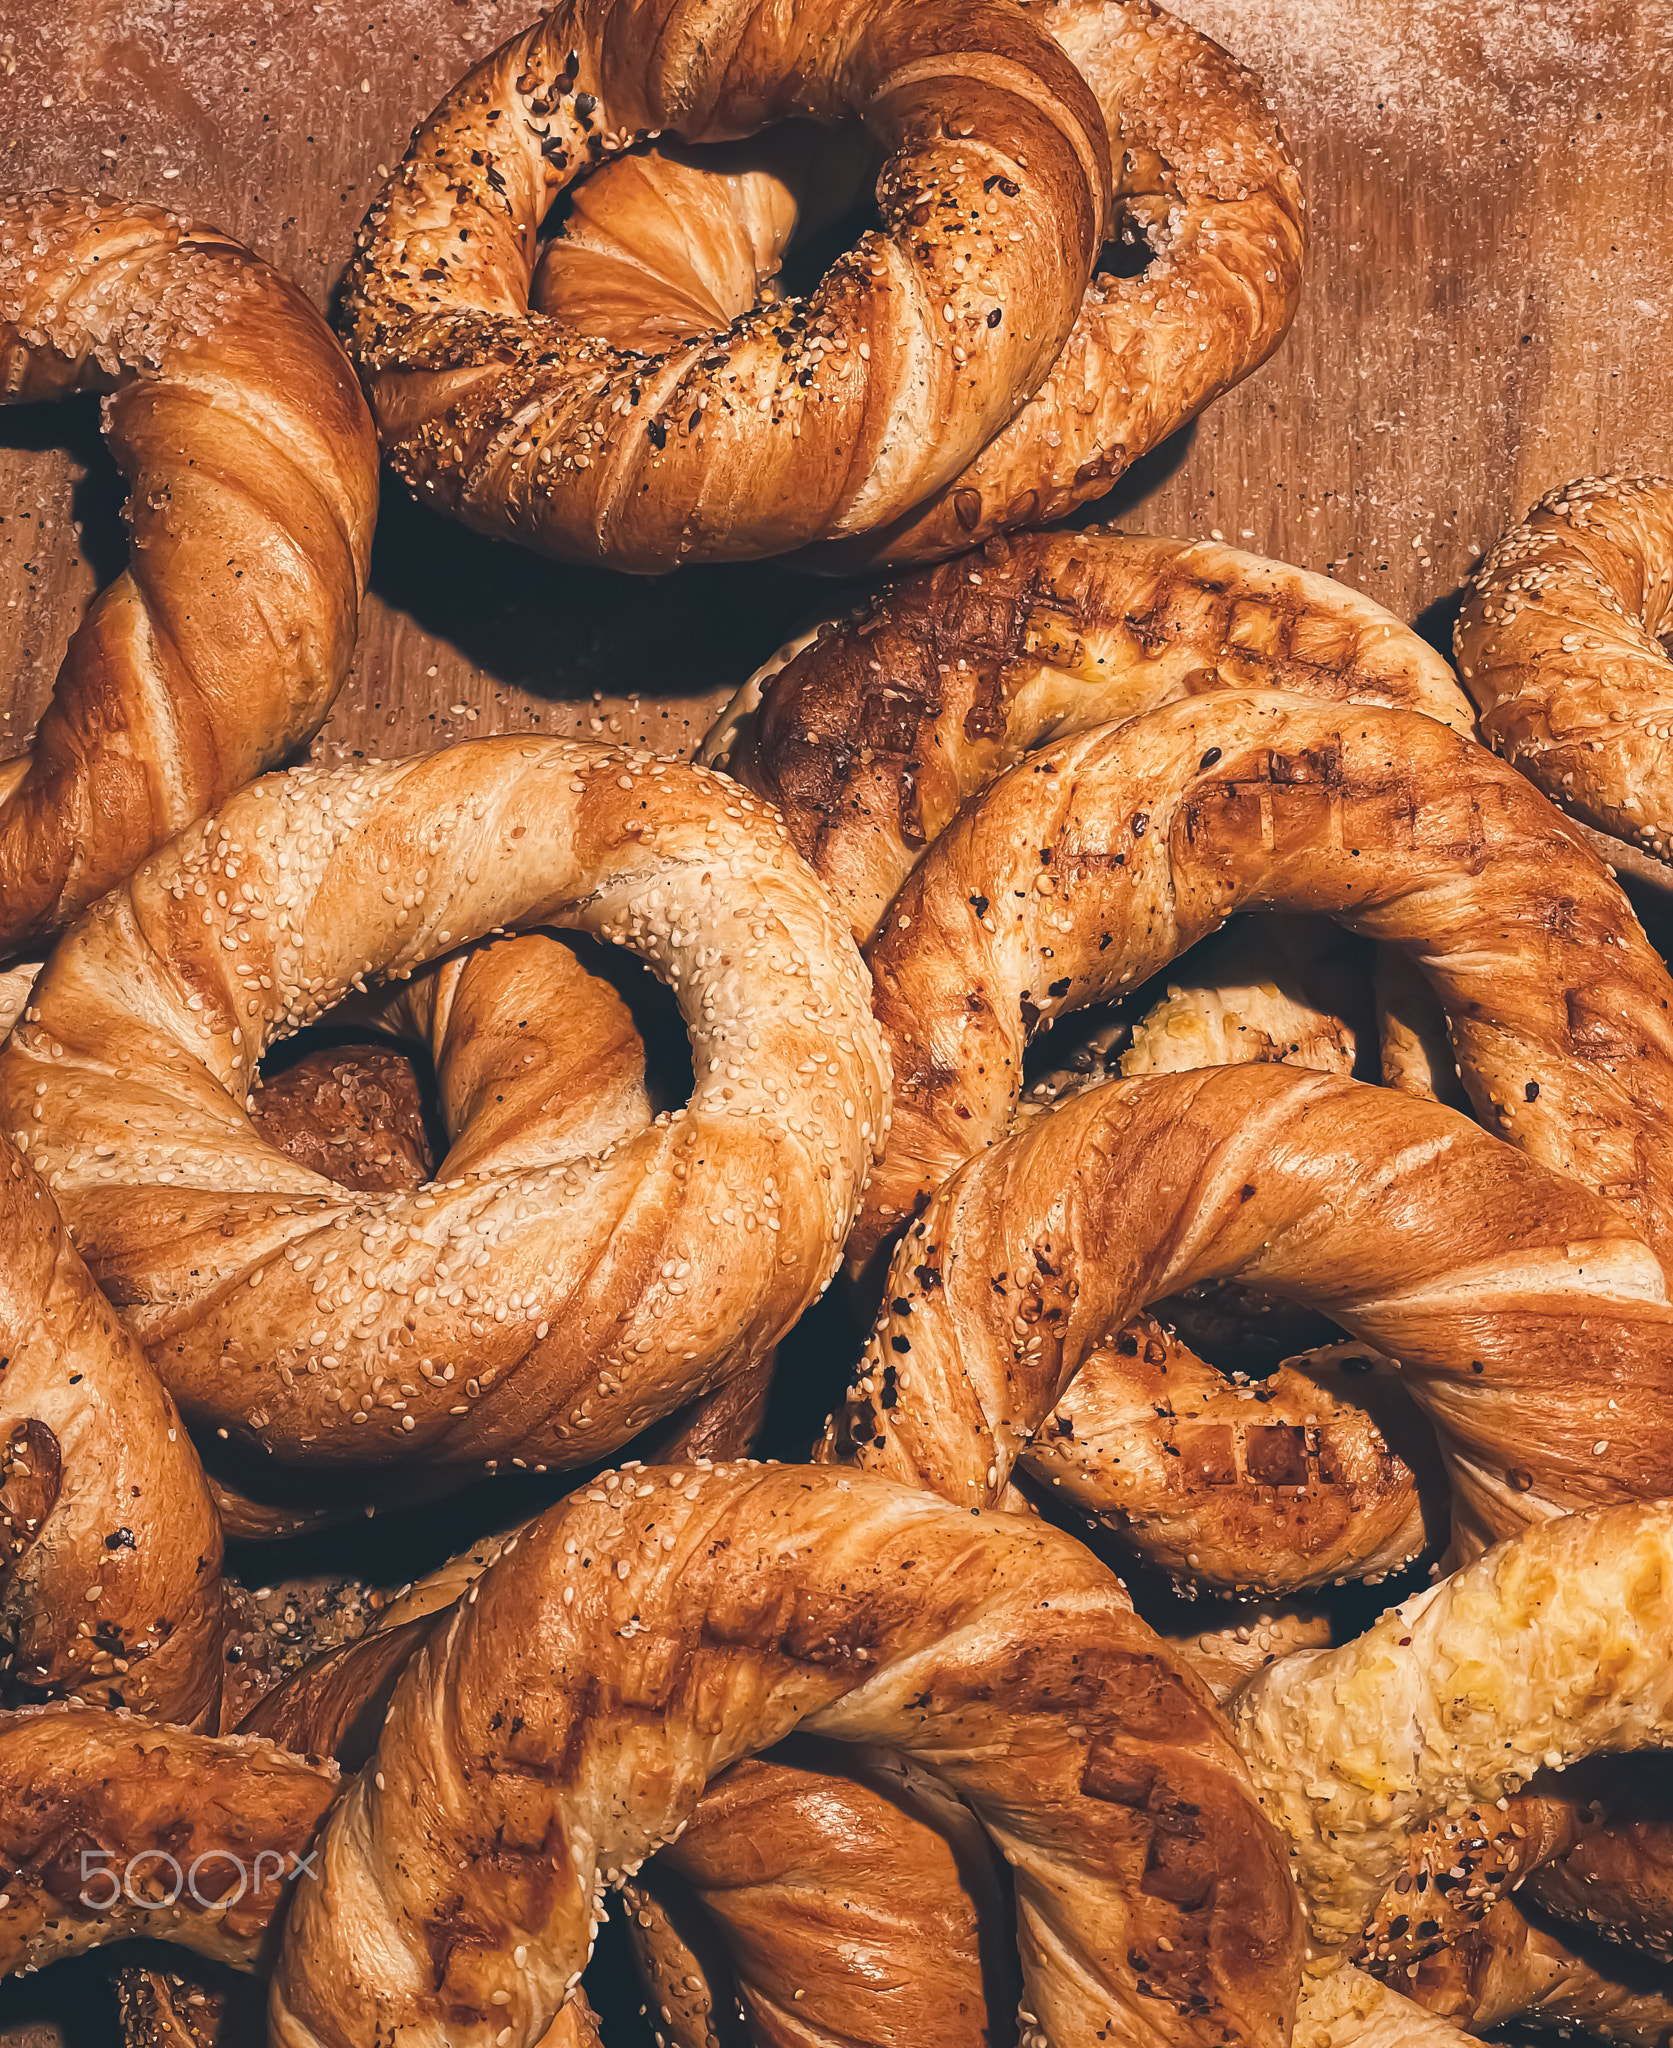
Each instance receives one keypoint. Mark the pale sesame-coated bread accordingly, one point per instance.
(253, 483)
(1562, 643)
(665, 245)
(872, 732)
(542, 1305)
(95, 1802)
(110, 1547)
(1096, 861)
(1531, 1324)
(667, 1621)
(784, 427)
(1550, 1648)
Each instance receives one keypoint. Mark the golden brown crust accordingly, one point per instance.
(252, 472)
(550, 1303)
(110, 1547)
(1531, 1325)
(708, 1611)
(870, 734)
(790, 425)
(666, 245)
(1561, 644)
(354, 1115)
(95, 1804)
(1093, 863)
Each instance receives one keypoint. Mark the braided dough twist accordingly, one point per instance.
(1089, 866)
(253, 481)
(1562, 644)
(1520, 1306)
(870, 734)
(537, 1299)
(552, 1743)
(1546, 1650)
(664, 246)
(110, 1547)
(789, 425)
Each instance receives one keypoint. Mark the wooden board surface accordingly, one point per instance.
(1488, 312)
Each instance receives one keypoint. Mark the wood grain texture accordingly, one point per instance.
(1489, 311)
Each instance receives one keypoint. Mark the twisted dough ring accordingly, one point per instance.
(872, 733)
(253, 480)
(535, 1300)
(110, 1547)
(664, 246)
(1562, 645)
(1519, 1304)
(706, 1612)
(790, 425)
(1085, 869)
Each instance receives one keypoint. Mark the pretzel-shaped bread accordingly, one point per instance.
(253, 483)
(786, 426)
(537, 1299)
(1561, 642)
(663, 246)
(1089, 866)
(870, 734)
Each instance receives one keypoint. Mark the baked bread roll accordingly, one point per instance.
(1561, 642)
(252, 475)
(783, 427)
(664, 246)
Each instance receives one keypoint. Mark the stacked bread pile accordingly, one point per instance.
(1236, 1263)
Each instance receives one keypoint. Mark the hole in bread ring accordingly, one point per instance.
(786, 426)
(539, 1303)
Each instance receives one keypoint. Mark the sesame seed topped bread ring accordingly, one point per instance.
(665, 245)
(667, 1621)
(792, 424)
(1096, 861)
(871, 733)
(1563, 644)
(253, 484)
(1531, 1325)
(538, 1299)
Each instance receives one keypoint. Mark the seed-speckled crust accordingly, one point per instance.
(1532, 1326)
(1546, 1650)
(1561, 644)
(789, 425)
(1095, 862)
(871, 733)
(667, 1621)
(546, 1303)
(110, 1547)
(253, 485)
(667, 245)
(93, 1802)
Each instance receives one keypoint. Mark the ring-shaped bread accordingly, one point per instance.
(561, 1725)
(1562, 642)
(870, 733)
(253, 485)
(790, 425)
(534, 1302)
(665, 244)
(110, 1546)
(1532, 1326)
(1093, 863)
